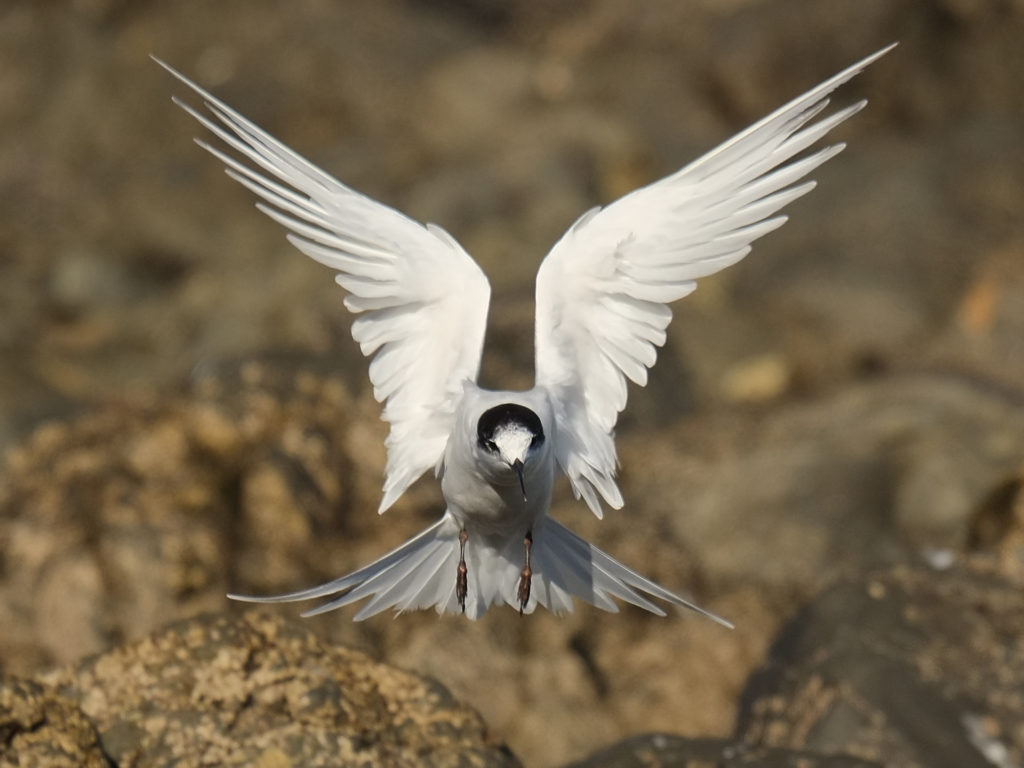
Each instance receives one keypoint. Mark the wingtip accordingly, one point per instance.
(325, 608)
(879, 53)
(724, 622)
(212, 101)
(245, 598)
(709, 615)
(166, 66)
(873, 57)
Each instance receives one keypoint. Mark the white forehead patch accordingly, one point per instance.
(513, 441)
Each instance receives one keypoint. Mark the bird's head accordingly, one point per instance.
(510, 434)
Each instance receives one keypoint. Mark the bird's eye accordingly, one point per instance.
(491, 446)
(537, 440)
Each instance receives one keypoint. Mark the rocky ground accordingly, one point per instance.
(248, 692)
(830, 451)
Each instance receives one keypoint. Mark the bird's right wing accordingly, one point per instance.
(422, 301)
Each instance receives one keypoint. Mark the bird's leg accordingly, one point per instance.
(527, 575)
(461, 580)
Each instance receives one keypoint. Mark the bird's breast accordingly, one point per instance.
(496, 504)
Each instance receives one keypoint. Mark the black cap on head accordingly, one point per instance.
(504, 415)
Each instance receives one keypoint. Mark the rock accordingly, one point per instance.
(996, 534)
(791, 499)
(129, 260)
(113, 523)
(503, 133)
(265, 480)
(39, 727)
(666, 751)
(247, 691)
(910, 667)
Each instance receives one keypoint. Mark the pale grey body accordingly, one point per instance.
(481, 490)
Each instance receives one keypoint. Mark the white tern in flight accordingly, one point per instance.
(602, 297)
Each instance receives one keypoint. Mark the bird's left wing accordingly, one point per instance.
(603, 290)
(422, 301)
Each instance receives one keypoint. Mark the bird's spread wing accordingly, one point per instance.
(603, 290)
(421, 300)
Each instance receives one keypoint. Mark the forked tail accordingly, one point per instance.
(421, 573)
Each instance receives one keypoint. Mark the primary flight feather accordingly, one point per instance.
(602, 311)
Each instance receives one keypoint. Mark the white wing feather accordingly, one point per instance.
(423, 300)
(603, 290)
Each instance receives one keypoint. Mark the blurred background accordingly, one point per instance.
(183, 411)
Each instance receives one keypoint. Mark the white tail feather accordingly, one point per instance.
(421, 574)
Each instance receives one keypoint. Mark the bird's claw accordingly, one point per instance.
(462, 576)
(526, 576)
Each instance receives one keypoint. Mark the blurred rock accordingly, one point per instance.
(113, 523)
(996, 534)
(810, 491)
(264, 480)
(757, 379)
(128, 258)
(851, 391)
(910, 667)
(252, 691)
(667, 751)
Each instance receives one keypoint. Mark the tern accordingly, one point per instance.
(602, 310)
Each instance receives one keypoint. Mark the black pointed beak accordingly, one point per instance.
(517, 465)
